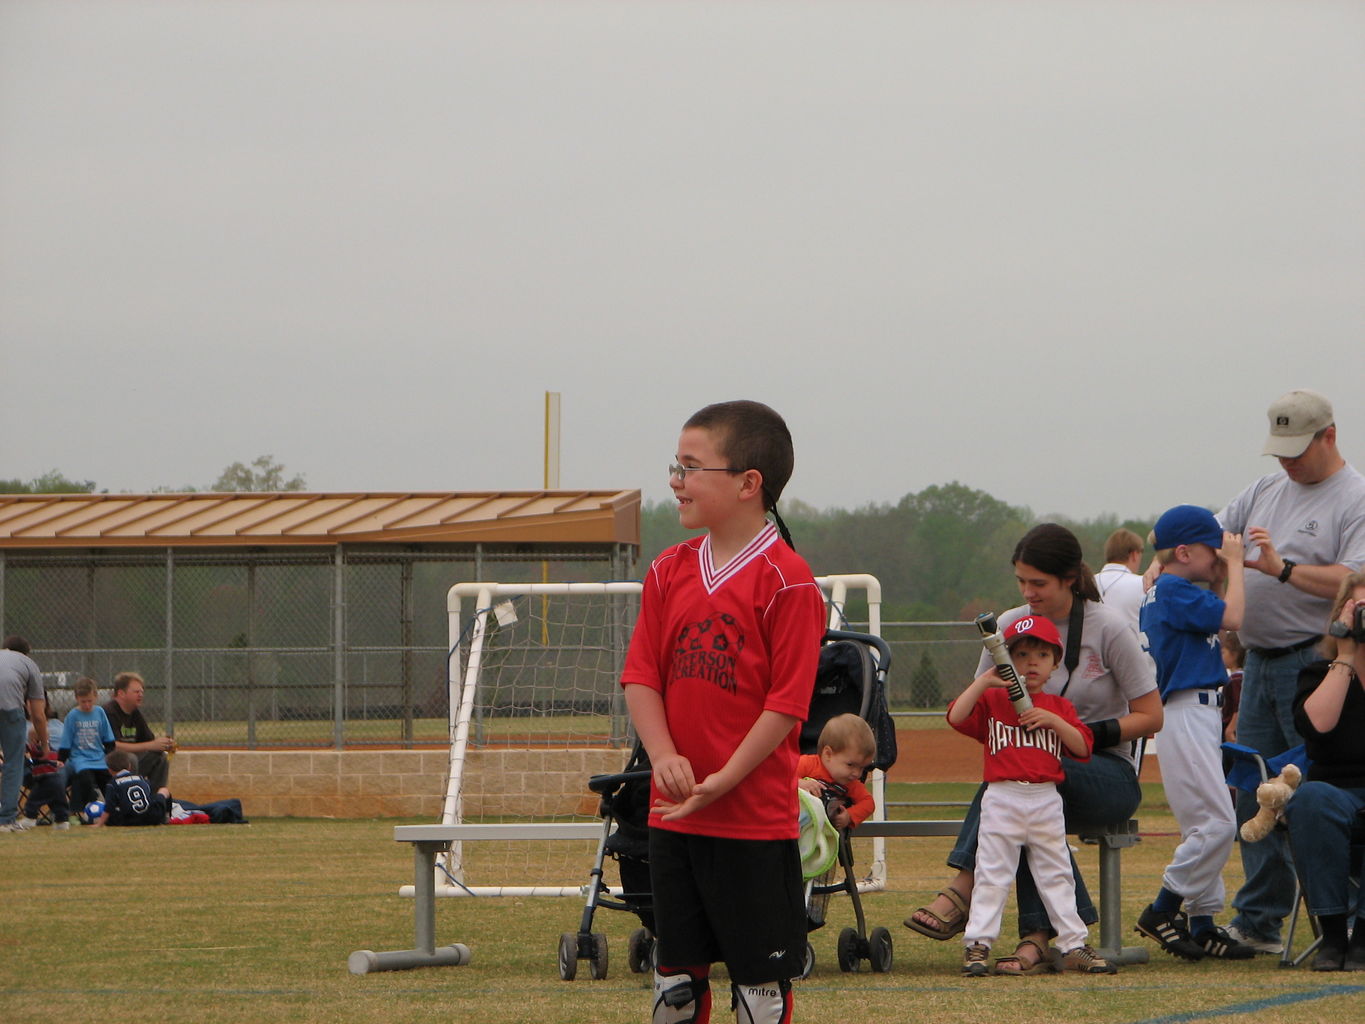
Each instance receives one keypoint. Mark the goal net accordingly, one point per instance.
(536, 708)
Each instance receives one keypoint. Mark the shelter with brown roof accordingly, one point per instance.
(287, 618)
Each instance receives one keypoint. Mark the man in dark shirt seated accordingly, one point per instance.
(132, 733)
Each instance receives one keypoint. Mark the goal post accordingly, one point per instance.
(536, 708)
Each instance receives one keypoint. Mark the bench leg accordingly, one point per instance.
(1111, 909)
(365, 961)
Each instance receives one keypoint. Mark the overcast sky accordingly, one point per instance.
(1064, 252)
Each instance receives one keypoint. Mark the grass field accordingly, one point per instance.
(254, 923)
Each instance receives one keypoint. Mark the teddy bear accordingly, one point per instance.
(1271, 796)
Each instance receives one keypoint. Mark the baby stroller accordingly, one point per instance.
(851, 679)
(625, 803)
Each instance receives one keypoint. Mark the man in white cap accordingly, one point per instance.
(1304, 530)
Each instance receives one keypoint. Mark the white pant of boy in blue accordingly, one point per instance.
(1192, 773)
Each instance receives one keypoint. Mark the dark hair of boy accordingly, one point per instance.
(752, 436)
(1033, 643)
(121, 761)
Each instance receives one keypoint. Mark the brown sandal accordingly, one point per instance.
(944, 928)
(1018, 965)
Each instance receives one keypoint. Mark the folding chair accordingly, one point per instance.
(1247, 770)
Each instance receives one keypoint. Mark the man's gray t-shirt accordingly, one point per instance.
(1312, 524)
(20, 680)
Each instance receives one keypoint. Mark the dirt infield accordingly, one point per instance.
(935, 755)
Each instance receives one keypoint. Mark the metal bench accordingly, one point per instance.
(429, 841)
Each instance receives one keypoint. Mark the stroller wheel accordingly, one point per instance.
(808, 962)
(568, 956)
(848, 950)
(879, 950)
(640, 951)
(598, 961)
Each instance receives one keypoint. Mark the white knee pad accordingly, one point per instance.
(680, 998)
(769, 1003)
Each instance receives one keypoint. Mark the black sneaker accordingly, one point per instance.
(1169, 928)
(1218, 943)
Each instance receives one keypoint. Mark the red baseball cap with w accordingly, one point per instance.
(1034, 626)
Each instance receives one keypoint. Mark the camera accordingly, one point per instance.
(1356, 631)
(835, 798)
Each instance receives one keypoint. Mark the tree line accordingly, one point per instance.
(942, 554)
(262, 475)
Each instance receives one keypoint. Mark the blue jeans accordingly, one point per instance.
(13, 738)
(1101, 791)
(1265, 721)
(1320, 819)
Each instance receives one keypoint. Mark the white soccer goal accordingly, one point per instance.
(536, 708)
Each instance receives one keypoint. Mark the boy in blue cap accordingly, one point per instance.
(1180, 624)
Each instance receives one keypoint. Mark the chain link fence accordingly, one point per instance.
(258, 649)
(329, 648)
(931, 663)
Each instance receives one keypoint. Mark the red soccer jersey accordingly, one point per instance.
(811, 767)
(1012, 753)
(724, 645)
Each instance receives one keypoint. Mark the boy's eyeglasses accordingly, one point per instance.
(675, 470)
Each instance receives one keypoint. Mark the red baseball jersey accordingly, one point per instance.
(1013, 753)
(723, 645)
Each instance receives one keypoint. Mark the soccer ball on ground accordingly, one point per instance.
(92, 811)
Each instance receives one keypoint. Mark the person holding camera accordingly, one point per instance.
(1304, 530)
(1329, 710)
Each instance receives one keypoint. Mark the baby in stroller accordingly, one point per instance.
(847, 749)
(849, 689)
(847, 733)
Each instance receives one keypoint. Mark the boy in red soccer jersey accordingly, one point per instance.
(1021, 809)
(718, 679)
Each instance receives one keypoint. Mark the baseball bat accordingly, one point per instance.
(994, 642)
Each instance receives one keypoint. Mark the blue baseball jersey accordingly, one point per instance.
(1180, 624)
(85, 734)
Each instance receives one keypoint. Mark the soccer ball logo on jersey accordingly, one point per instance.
(708, 650)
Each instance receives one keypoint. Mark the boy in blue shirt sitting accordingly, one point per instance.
(86, 737)
(1180, 624)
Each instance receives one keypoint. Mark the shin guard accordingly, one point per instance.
(682, 995)
(769, 1003)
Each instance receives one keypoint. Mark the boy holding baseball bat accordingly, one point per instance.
(1021, 809)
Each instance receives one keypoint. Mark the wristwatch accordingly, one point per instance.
(1288, 568)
